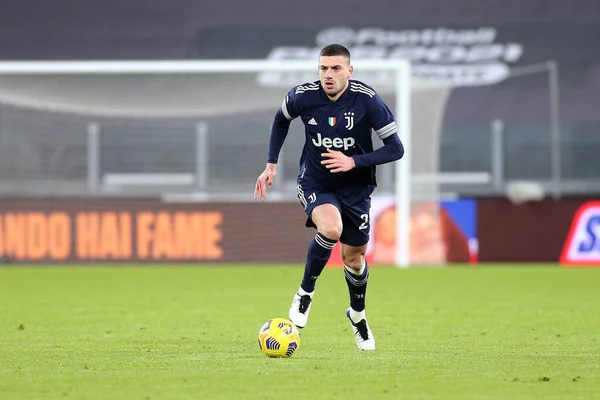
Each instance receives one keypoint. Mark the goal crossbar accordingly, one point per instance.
(177, 66)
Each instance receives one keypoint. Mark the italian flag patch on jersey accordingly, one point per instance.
(331, 121)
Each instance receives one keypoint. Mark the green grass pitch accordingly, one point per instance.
(189, 332)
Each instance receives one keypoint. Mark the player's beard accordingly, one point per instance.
(334, 91)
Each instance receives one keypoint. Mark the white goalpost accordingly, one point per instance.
(194, 89)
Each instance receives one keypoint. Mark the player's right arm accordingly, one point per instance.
(279, 130)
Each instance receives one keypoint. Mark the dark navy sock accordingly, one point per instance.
(357, 286)
(319, 251)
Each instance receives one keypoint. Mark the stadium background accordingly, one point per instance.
(47, 213)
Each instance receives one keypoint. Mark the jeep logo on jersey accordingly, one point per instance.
(336, 143)
(582, 246)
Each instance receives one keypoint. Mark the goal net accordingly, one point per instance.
(196, 132)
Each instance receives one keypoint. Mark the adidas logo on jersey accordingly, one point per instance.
(582, 246)
(312, 122)
(337, 143)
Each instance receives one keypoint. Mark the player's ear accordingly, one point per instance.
(350, 71)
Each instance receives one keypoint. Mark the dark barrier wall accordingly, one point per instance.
(91, 29)
(100, 230)
(530, 232)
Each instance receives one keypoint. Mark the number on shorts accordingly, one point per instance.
(365, 224)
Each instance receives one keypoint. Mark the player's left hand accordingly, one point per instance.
(336, 161)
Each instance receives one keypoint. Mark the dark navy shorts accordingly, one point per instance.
(354, 205)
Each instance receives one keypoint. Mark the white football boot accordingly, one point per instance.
(362, 331)
(300, 308)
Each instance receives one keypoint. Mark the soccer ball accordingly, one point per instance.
(279, 337)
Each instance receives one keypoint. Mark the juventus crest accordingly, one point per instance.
(349, 119)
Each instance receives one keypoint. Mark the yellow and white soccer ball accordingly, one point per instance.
(279, 337)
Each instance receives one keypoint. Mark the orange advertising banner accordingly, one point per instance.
(142, 231)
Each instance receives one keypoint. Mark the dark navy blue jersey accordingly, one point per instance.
(345, 125)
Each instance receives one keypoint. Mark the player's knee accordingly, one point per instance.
(331, 231)
(353, 261)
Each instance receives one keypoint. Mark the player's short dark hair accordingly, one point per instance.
(335, 50)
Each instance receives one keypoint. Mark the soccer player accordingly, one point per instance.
(336, 177)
